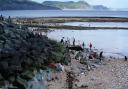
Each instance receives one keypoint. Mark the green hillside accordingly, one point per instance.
(68, 5)
(23, 5)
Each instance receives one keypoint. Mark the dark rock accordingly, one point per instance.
(3, 65)
(22, 50)
(1, 77)
(2, 84)
(77, 48)
(21, 83)
(84, 87)
(1, 29)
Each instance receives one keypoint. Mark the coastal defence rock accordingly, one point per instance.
(22, 50)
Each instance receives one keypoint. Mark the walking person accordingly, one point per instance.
(74, 42)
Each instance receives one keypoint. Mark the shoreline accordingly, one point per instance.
(35, 54)
(104, 75)
(91, 75)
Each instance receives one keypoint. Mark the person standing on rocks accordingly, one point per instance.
(90, 46)
(83, 45)
(101, 56)
(66, 44)
(68, 41)
(74, 42)
(1, 18)
(125, 58)
(62, 40)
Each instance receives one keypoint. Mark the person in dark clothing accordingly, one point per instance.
(9, 20)
(101, 55)
(90, 45)
(125, 58)
(62, 40)
(83, 44)
(74, 42)
(1, 18)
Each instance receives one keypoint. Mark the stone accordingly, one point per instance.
(22, 51)
(1, 84)
(27, 75)
(84, 86)
(21, 81)
(1, 77)
(3, 65)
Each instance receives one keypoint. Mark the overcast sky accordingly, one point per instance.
(108, 3)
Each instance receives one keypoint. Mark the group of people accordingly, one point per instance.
(82, 45)
(73, 43)
(65, 42)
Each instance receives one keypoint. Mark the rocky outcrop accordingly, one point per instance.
(22, 52)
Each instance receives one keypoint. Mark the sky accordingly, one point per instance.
(108, 3)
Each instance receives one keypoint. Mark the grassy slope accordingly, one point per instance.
(68, 5)
(22, 5)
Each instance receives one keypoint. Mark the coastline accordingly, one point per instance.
(106, 75)
(81, 73)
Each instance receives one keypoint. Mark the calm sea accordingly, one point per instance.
(50, 13)
(98, 24)
(112, 42)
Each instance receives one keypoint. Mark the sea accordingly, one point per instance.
(109, 41)
(61, 13)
